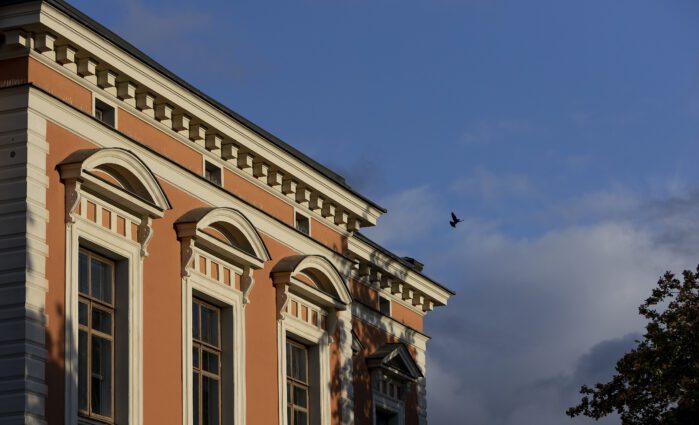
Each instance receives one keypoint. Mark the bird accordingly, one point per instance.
(454, 220)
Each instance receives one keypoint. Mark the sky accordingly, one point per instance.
(563, 132)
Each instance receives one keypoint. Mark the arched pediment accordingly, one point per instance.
(224, 227)
(119, 174)
(302, 270)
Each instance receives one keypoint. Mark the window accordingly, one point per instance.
(385, 306)
(104, 113)
(303, 224)
(212, 173)
(206, 363)
(96, 336)
(297, 387)
(385, 417)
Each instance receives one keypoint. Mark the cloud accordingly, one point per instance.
(515, 336)
(413, 214)
(487, 133)
(536, 317)
(487, 185)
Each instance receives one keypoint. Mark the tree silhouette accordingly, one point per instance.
(658, 381)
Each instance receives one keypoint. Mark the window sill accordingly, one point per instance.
(89, 421)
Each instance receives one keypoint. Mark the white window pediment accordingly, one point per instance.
(395, 360)
(118, 179)
(222, 234)
(118, 175)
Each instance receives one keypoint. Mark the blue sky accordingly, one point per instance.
(563, 132)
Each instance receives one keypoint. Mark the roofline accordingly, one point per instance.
(129, 48)
(400, 260)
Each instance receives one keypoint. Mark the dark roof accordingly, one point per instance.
(138, 54)
(399, 259)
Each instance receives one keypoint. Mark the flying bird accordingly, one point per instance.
(454, 220)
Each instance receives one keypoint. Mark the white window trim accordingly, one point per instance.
(82, 229)
(233, 299)
(312, 336)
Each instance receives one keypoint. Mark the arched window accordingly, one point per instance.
(313, 307)
(111, 198)
(220, 249)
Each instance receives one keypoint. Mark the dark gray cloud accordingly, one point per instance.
(536, 317)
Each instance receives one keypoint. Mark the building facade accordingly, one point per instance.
(166, 261)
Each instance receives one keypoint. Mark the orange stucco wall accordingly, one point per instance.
(364, 294)
(162, 293)
(160, 142)
(406, 316)
(60, 86)
(327, 236)
(258, 197)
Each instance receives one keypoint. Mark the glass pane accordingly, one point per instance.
(101, 280)
(210, 401)
(195, 320)
(101, 378)
(82, 313)
(195, 356)
(288, 415)
(300, 396)
(82, 370)
(101, 320)
(288, 358)
(195, 397)
(209, 325)
(288, 393)
(298, 363)
(209, 361)
(300, 417)
(83, 274)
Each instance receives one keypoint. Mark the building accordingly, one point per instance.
(166, 261)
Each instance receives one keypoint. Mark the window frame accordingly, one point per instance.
(232, 338)
(293, 382)
(126, 253)
(89, 299)
(202, 346)
(298, 213)
(106, 103)
(386, 300)
(209, 162)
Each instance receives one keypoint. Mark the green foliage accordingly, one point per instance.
(658, 381)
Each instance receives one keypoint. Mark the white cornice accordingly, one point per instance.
(418, 282)
(129, 68)
(90, 129)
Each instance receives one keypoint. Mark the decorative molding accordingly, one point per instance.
(247, 281)
(196, 117)
(72, 191)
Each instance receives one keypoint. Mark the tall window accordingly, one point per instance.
(96, 337)
(206, 363)
(297, 383)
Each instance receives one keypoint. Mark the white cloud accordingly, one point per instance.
(412, 216)
(519, 338)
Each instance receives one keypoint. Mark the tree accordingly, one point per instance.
(658, 381)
